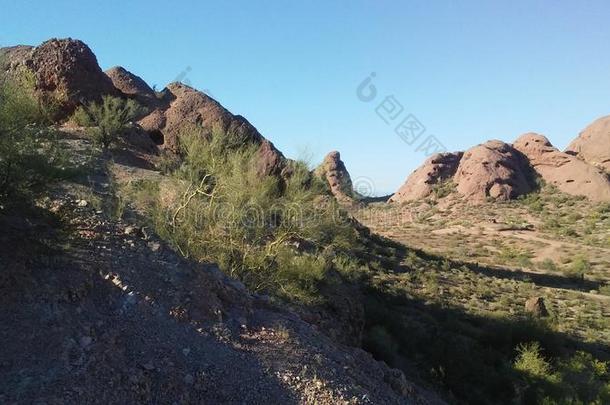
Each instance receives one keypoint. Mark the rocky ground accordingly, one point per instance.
(97, 310)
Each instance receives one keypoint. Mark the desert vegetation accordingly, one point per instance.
(269, 232)
(473, 270)
(107, 119)
(30, 156)
(434, 287)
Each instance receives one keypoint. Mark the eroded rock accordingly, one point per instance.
(65, 71)
(593, 144)
(333, 171)
(492, 170)
(568, 173)
(421, 182)
(536, 307)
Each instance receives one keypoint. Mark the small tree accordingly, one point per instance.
(107, 119)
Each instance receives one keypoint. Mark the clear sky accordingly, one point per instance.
(467, 70)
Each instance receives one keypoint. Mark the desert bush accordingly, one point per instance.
(443, 189)
(548, 265)
(30, 156)
(530, 360)
(577, 379)
(268, 232)
(108, 119)
(578, 268)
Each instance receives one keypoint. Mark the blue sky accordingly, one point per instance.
(468, 71)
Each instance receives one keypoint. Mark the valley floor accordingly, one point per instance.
(549, 245)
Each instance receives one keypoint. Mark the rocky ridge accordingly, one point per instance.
(499, 171)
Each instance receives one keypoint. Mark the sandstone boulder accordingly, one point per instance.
(421, 182)
(536, 307)
(333, 171)
(183, 107)
(65, 72)
(568, 173)
(493, 170)
(593, 144)
(132, 86)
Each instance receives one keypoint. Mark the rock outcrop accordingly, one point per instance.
(186, 107)
(568, 173)
(65, 72)
(132, 86)
(333, 171)
(535, 306)
(492, 170)
(593, 144)
(421, 182)
(499, 171)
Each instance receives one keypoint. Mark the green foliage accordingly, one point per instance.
(30, 156)
(530, 360)
(443, 189)
(578, 379)
(268, 232)
(578, 268)
(510, 254)
(548, 265)
(107, 120)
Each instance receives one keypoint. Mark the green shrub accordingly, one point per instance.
(530, 360)
(578, 268)
(578, 379)
(30, 156)
(107, 120)
(443, 189)
(269, 232)
(548, 265)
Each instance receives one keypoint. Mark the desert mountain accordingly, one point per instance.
(500, 171)
(66, 74)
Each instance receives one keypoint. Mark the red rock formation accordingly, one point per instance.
(65, 71)
(492, 170)
(132, 86)
(593, 144)
(333, 170)
(568, 173)
(186, 107)
(421, 182)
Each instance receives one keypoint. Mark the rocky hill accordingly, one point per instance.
(500, 172)
(99, 308)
